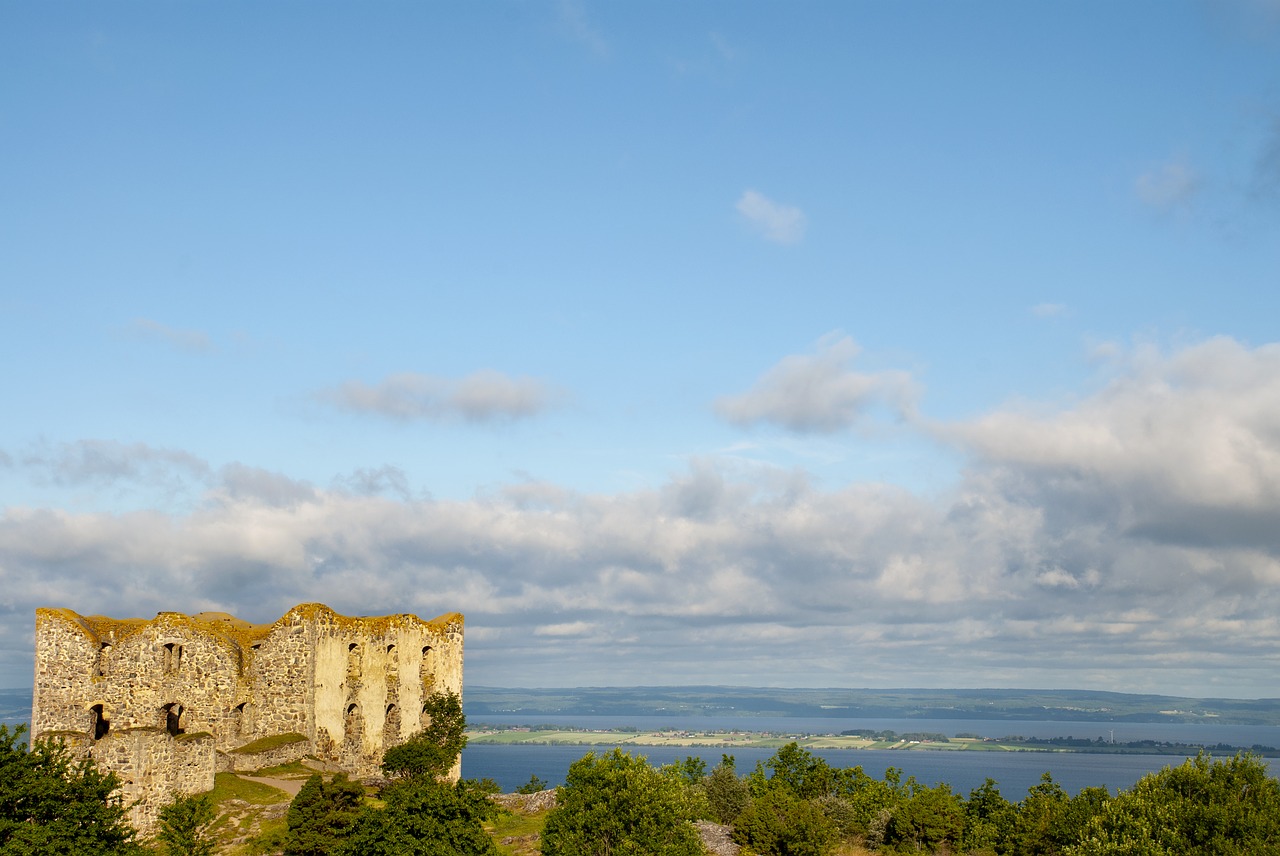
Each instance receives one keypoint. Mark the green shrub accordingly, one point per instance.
(618, 805)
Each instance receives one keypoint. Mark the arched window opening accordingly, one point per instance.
(426, 669)
(99, 725)
(173, 723)
(393, 660)
(172, 657)
(353, 660)
(391, 731)
(352, 725)
(104, 653)
(240, 723)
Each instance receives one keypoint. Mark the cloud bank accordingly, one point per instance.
(483, 396)
(1129, 542)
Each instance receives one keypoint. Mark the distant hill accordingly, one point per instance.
(15, 706)
(991, 704)
(988, 704)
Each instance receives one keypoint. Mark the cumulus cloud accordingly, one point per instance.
(818, 393)
(776, 222)
(376, 481)
(1128, 541)
(483, 396)
(108, 462)
(194, 341)
(1167, 186)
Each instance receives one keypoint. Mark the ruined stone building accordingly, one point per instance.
(168, 702)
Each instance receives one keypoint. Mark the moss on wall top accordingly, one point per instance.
(266, 744)
(237, 633)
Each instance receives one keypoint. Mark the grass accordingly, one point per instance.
(266, 744)
(292, 770)
(229, 786)
(519, 826)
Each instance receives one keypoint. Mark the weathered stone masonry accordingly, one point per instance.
(168, 702)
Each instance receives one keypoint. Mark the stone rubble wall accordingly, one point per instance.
(154, 767)
(248, 762)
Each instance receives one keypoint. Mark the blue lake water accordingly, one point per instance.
(511, 766)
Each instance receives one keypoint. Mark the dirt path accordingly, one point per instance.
(289, 786)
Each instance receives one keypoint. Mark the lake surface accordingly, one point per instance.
(512, 765)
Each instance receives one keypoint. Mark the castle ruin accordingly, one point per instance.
(168, 702)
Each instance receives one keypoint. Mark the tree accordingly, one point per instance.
(321, 815)
(727, 794)
(1217, 808)
(184, 826)
(801, 772)
(930, 819)
(779, 823)
(618, 805)
(435, 749)
(988, 818)
(425, 817)
(535, 785)
(872, 800)
(51, 805)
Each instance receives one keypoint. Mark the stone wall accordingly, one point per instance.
(166, 701)
(250, 758)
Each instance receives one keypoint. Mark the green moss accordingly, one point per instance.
(195, 735)
(229, 786)
(266, 744)
(292, 770)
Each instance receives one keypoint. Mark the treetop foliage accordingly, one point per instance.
(184, 825)
(52, 805)
(435, 749)
(617, 805)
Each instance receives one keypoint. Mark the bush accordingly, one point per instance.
(535, 785)
(184, 826)
(1201, 807)
(425, 817)
(778, 823)
(321, 815)
(727, 794)
(930, 819)
(435, 749)
(617, 805)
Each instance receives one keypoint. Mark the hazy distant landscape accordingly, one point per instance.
(997, 704)
(992, 704)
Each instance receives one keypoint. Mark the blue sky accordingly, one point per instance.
(811, 344)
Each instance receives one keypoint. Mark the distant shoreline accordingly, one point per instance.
(485, 734)
(1084, 706)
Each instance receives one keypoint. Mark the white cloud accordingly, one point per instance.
(194, 341)
(571, 628)
(1167, 186)
(1136, 529)
(1049, 310)
(483, 396)
(818, 393)
(111, 463)
(781, 224)
(573, 21)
